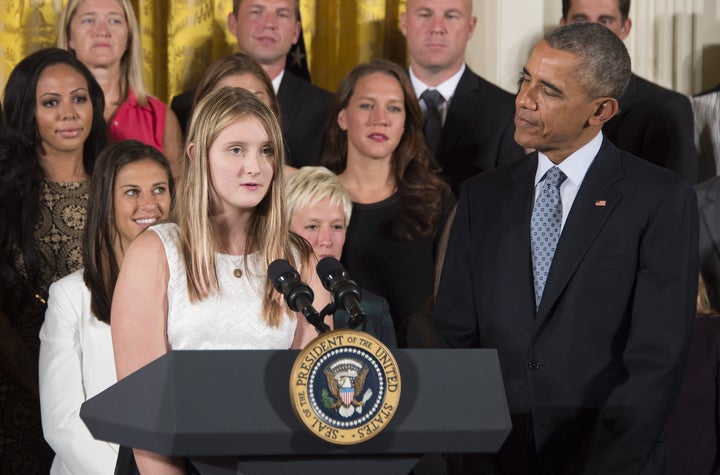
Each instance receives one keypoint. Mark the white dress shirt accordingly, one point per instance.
(575, 167)
(446, 89)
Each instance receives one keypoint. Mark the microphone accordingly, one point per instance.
(345, 292)
(298, 295)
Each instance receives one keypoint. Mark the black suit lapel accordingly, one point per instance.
(595, 201)
(518, 200)
(288, 97)
(462, 108)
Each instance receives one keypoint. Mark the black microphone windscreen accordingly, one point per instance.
(327, 266)
(276, 269)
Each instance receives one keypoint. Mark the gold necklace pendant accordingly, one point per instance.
(238, 273)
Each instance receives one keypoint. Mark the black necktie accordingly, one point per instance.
(433, 123)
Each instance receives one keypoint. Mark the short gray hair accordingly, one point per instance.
(604, 67)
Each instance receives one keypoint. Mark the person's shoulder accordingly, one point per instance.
(648, 183)
(647, 172)
(713, 91)
(709, 187)
(471, 81)
(500, 175)
(71, 281)
(154, 239)
(305, 87)
(651, 91)
(183, 98)
(156, 103)
(375, 301)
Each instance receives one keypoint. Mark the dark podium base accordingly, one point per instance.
(345, 465)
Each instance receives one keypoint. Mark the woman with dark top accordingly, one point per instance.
(54, 130)
(693, 429)
(374, 143)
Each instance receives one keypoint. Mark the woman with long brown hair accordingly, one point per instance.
(374, 142)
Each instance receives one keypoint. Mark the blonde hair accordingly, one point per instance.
(703, 304)
(310, 185)
(131, 62)
(267, 229)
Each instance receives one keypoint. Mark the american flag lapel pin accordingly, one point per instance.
(601, 203)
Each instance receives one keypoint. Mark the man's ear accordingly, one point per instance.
(625, 29)
(605, 109)
(403, 23)
(232, 23)
(296, 33)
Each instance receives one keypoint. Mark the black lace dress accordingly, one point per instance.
(58, 238)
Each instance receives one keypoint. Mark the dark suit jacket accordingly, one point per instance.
(656, 124)
(708, 196)
(596, 371)
(693, 429)
(303, 109)
(378, 321)
(478, 132)
(181, 105)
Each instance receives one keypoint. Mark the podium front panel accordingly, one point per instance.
(236, 403)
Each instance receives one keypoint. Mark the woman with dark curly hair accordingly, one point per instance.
(54, 129)
(374, 142)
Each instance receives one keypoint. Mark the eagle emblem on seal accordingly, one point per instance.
(346, 380)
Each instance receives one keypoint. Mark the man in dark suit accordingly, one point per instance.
(579, 265)
(474, 127)
(266, 30)
(654, 123)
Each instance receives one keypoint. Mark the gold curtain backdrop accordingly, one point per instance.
(180, 38)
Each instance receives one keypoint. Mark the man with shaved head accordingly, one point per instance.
(468, 125)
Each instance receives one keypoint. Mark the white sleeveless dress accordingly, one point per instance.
(228, 320)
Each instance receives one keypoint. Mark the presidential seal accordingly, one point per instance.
(345, 386)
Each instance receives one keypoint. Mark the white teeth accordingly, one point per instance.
(146, 221)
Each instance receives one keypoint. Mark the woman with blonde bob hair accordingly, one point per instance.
(201, 282)
(319, 210)
(105, 36)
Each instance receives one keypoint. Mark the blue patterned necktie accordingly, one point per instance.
(545, 228)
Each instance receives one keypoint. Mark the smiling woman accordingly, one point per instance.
(53, 132)
(130, 189)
